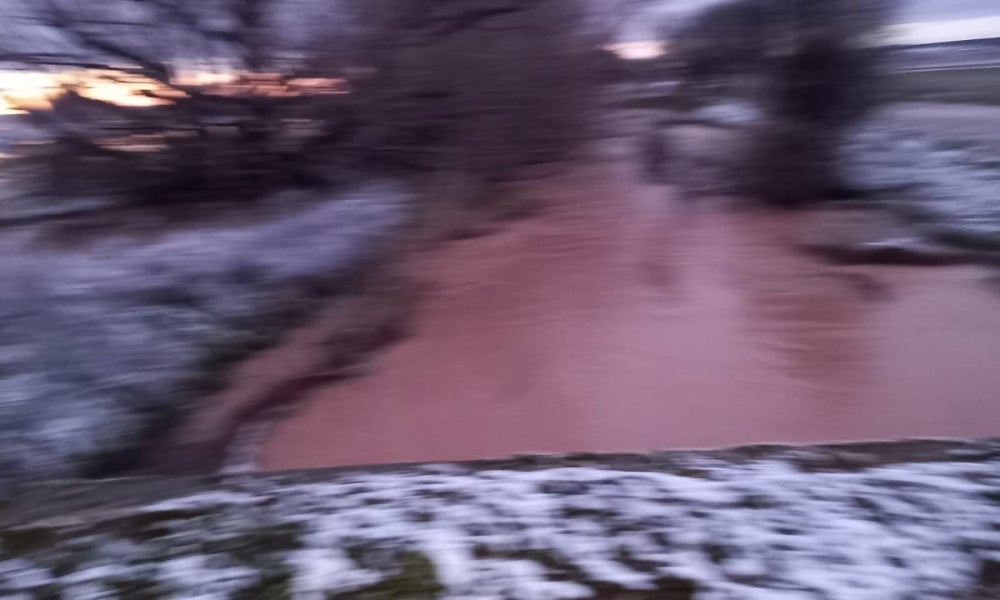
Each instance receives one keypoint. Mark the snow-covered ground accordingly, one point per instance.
(733, 114)
(950, 184)
(773, 527)
(99, 345)
(937, 162)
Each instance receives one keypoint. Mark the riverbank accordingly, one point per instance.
(108, 342)
(890, 520)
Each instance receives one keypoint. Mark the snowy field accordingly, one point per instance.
(797, 523)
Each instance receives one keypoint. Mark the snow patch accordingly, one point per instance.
(763, 529)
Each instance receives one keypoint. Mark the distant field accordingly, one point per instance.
(965, 85)
(975, 85)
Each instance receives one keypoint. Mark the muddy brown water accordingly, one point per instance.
(625, 317)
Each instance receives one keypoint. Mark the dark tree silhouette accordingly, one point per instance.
(486, 86)
(820, 77)
(811, 66)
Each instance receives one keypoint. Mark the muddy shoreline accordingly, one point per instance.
(23, 501)
(333, 346)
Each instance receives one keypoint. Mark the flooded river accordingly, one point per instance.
(624, 317)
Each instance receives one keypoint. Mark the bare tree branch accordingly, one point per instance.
(57, 18)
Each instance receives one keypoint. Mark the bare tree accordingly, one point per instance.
(489, 84)
(209, 137)
(485, 85)
(820, 77)
(721, 47)
(811, 67)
